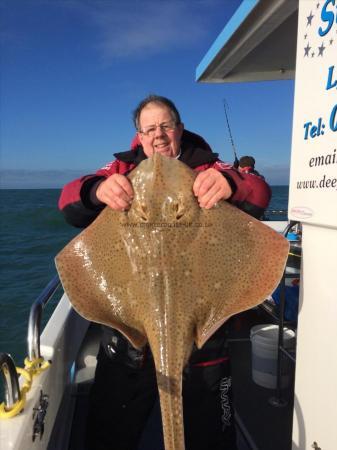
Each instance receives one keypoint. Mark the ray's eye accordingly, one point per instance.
(172, 210)
(179, 211)
(143, 212)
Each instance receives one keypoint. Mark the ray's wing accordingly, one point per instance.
(241, 260)
(95, 272)
(169, 281)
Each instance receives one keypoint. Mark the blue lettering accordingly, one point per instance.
(333, 118)
(331, 84)
(313, 131)
(306, 127)
(327, 16)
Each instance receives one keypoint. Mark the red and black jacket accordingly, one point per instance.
(250, 193)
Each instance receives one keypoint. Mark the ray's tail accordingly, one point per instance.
(170, 353)
(170, 390)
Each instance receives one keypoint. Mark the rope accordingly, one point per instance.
(32, 368)
(294, 254)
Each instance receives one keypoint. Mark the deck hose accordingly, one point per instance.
(32, 368)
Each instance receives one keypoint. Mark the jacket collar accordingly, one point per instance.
(190, 155)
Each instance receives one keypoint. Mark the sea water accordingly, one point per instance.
(32, 232)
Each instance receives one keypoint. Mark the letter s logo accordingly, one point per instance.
(327, 16)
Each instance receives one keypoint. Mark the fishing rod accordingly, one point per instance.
(236, 160)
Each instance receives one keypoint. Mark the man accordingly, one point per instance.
(125, 387)
(261, 191)
(159, 129)
(247, 165)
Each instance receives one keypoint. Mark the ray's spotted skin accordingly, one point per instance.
(170, 273)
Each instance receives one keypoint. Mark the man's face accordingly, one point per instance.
(159, 133)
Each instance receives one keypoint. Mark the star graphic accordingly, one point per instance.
(331, 41)
(305, 36)
(309, 18)
(307, 49)
(312, 54)
(321, 49)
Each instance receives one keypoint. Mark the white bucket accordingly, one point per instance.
(264, 339)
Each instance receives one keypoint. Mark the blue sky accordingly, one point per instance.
(74, 70)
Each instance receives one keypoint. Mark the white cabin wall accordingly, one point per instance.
(315, 409)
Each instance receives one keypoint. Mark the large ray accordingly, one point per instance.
(170, 273)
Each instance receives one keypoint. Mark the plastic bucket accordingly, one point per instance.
(264, 339)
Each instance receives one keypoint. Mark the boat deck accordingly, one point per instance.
(269, 427)
(261, 425)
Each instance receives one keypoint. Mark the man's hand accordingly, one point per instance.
(210, 186)
(116, 192)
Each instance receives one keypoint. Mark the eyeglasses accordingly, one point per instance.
(165, 127)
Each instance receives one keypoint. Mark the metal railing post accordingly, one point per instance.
(34, 323)
(10, 381)
(278, 400)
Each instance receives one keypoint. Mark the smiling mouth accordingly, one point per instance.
(161, 146)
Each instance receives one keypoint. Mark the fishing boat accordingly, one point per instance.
(48, 399)
(52, 392)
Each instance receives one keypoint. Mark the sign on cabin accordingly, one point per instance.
(313, 175)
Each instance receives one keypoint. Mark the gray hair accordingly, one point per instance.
(158, 100)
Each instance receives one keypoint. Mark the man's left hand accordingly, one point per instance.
(210, 186)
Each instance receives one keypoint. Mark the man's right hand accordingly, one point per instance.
(116, 192)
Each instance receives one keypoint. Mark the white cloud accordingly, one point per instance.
(132, 28)
(141, 29)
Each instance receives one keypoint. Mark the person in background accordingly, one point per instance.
(247, 165)
(124, 391)
(261, 191)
